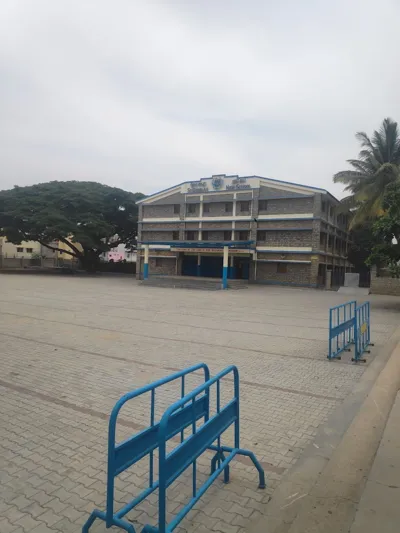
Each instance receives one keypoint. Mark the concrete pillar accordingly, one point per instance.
(314, 270)
(328, 280)
(225, 268)
(146, 262)
(198, 264)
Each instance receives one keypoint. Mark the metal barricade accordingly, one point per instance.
(125, 454)
(180, 416)
(363, 332)
(342, 319)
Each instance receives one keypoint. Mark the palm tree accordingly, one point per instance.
(377, 166)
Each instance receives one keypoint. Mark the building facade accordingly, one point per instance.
(24, 250)
(254, 228)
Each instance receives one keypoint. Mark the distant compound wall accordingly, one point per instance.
(384, 284)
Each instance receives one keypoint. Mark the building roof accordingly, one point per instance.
(266, 181)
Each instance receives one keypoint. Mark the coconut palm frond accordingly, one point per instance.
(347, 176)
(377, 166)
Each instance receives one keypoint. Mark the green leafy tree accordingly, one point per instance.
(362, 241)
(377, 166)
(71, 212)
(386, 231)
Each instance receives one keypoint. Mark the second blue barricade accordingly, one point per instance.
(363, 331)
(342, 320)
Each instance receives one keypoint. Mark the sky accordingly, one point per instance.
(146, 94)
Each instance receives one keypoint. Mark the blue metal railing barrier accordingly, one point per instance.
(183, 414)
(125, 454)
(342, 320)
(363, 331)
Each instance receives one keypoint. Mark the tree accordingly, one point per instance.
(378, 165)
(386, 231)
(69, 212)
(362, 241)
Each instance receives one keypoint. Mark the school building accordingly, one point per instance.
(254, 228)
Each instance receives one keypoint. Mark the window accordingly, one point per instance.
(158, 261)
(262, 236)
(228, 207)
(227, 235)
(191, 209)
(281, 268)
(205, 235)
(20, 250)
(29, 250)
(243, 235)
(244, 206)
(323, 207)
(206, 208)
(177, 209)
(191, 235)
(175, 235)
(263, 205)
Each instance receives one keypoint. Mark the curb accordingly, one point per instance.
(322, 491)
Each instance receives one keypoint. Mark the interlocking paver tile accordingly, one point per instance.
(72, 346)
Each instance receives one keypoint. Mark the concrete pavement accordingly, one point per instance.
(71, 346)
(379, 508)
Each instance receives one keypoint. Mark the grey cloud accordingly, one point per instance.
(145, 94)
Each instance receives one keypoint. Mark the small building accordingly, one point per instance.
(119, 253)
(249, 227)
(24, 250)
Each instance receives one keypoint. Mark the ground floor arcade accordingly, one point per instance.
(242, 261)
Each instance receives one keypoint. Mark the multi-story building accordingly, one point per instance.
(250, 227)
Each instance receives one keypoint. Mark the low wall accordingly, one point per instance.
(384, 284)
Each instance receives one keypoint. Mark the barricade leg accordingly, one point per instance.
(256, 463)
(220, 456)
(115, 522)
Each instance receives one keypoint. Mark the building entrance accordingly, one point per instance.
(241, 268)
(210, 266)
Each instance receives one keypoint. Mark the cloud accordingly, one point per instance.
(146, 94)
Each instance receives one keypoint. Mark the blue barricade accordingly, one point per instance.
(184, 414)
(363, 331)
(342, 320)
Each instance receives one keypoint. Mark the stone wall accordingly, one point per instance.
(217, 225)
(162, 265)
(213, 235)
(160, 211)
(162, 226)
(384, 285)
(159, 263)
(285, 238)
(266, 224)
(217, 209)
(154, 236)
(297, 273)
(289, 206)
(242, 225)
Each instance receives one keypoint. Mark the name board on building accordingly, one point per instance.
(237, 184)
(197, 186)
(210, 250)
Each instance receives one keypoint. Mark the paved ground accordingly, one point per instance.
(379, 509)
(72, 346)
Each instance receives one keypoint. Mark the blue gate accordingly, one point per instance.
(342, 320)
(363, 331)
(180, 416)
